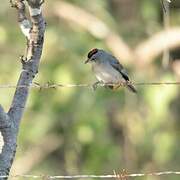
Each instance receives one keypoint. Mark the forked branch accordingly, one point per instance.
(33, 29)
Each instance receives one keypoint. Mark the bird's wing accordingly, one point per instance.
(116, 65)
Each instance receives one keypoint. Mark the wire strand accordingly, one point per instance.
(59, 85)
(118, 176)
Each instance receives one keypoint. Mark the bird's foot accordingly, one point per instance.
(120, 84)
(115, 86)
(96, 84)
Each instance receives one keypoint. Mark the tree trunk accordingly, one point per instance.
(33, 29)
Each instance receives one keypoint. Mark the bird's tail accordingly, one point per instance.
(131, 87)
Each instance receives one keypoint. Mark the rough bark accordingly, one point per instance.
(33, 29)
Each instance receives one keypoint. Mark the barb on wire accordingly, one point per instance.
(61, 85)
(115, 175)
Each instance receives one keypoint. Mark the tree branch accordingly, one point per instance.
(148, 50)
(141, 55)
(4, 119)
(34, 156)
(34, 33)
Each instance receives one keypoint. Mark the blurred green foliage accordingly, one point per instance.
(103, 130)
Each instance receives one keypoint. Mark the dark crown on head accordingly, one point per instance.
(92, 52)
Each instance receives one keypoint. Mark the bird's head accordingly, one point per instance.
(92, 56)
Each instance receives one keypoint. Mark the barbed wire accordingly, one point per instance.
(60, 85)
(121, 176)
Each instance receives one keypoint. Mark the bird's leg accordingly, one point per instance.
(95, 85)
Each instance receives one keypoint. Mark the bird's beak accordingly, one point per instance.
(87, 61)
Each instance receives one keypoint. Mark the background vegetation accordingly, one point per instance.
(76, 130)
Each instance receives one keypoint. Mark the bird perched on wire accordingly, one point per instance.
(108, 70)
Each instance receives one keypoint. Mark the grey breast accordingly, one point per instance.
(106, 73)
